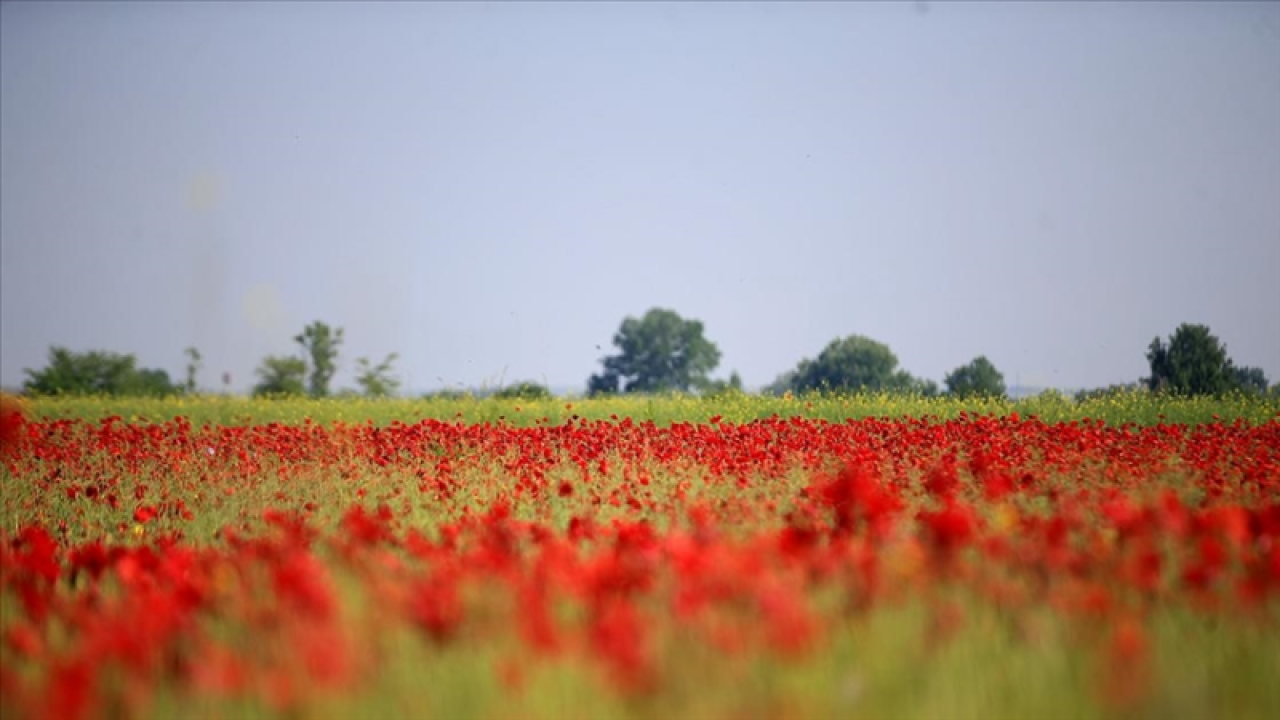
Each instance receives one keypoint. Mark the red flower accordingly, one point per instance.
(1123, 515)
(12, 422)
(37, 552)
(943, 481)
(790, 629)
(996, 485)
(367, 528)
(950, 527)
(301, 580)
(854, 494)
(89, 557)
(619, 638)
(25, 640)
(70, 688)
(435, 607)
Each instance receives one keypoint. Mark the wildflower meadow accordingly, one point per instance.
(727, 557)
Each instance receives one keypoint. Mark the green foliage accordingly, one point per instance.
(1195, 362)
(855, 364)
(904, 381)
(96, 373)
(781, 385)
(193, 367)
(524, 390)
(448, 394)
(721, 388)
(377, 380)
(320, 343)
(152, 382)
(1108, 391)
(281, 375)
(1251, 379)
(979, 377)
(660, 352)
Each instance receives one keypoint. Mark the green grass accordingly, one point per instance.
(1138, 407)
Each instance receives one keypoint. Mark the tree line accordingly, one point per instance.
(659, 352)
(662, 352)
(308, 373)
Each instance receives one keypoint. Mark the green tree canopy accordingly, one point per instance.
(732, 386)
(96, 372)
(659, 352)
(856, 363)
(1193, 362)
(1251, 379)
(978, 378)
(1114, 390)
(906, 382)
(320, 343)
(524, 390)
(281, 375)
(377, 380)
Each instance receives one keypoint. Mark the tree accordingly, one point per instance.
(904, 381)
(1251, 379)
(96, 372)
(855, 363)
(281, 375)
(377, 380)
(1194, 362)
(660, 352)
(978, 378)
(1110, 391)
(524, 390)
(732, 386)
(320, 343)
(152, 382)
(193, 367)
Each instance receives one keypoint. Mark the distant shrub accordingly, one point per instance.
(526, 390)
(1111, 391)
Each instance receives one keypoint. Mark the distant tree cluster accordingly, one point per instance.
(656, 353)
(377, 380)
(856, 364)
(312, 372)
(1195, 362)
(979, 378)
(663, 352)
(107, 373)
(660, 352)
(281, 375)
(524, 390)
(97, 373)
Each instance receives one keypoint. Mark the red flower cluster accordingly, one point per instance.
(273, 562)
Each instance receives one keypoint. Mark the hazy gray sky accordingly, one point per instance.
(490, 189)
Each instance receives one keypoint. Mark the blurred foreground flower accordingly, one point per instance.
(13, 416)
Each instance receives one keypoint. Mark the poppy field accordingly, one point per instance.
(588, 563)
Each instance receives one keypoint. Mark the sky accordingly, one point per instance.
(490, 189)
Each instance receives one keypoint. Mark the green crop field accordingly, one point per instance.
(1137, 407)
